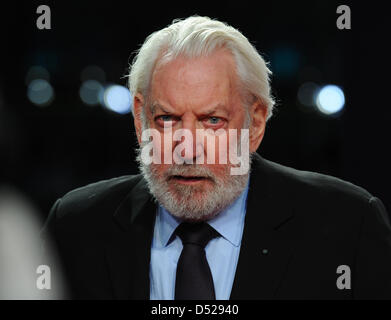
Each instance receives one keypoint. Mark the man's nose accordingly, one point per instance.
(187, 149)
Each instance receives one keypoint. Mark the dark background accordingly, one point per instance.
(45, 152)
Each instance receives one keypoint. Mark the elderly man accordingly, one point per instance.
(189, 228)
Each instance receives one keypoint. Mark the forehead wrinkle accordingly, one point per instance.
(155, 106)
(182, 101)
(219, 106)
(208, 111)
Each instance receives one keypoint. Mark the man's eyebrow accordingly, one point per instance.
(214, 109)
(155, 106)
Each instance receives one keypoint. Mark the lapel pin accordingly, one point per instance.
(265, 251)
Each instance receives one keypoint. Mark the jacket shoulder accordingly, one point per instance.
(313, 184)
(96, 195)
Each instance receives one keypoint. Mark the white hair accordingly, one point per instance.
(199, 36)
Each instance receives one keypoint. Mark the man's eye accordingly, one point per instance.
(214, 120)
(165, 118)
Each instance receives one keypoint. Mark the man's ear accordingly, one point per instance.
(138, 104)
(258, 115)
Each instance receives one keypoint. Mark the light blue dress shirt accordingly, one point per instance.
(222, 253)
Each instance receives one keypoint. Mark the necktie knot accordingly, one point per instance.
(196, 233)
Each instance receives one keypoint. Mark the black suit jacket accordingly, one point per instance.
(299, 227)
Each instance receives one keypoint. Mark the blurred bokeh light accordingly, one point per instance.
(37, 72)
(40, 92)
(91, 92)
(118, 99)
(93, 72)
(330, 99)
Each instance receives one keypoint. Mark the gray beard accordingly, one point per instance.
(193, 203)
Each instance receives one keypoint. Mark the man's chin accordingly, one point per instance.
(190, 195)
(188, 212)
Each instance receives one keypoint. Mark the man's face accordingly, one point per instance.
(191, 94)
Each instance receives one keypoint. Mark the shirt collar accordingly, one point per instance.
(226, 222)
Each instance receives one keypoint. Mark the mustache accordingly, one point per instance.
(189, 170)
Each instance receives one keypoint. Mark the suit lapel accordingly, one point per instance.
(129, 250)
(265, 250)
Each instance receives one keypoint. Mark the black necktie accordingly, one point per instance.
(193, 277)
